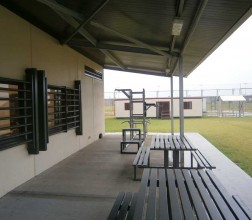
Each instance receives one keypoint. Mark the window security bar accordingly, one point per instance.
(15, 112)
(64, 109)
(30, 111)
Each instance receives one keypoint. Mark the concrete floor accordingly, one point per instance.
(85, 185)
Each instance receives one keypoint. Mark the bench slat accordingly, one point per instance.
(225, 211)
(167, 144)
(189, 143)
(141, 159)
(132, 206)
(176, 143)
(202, 162)
(207, 161)
(153, 141)
(244, 208)
(157, 142)
(187, 208)
(171, 142)
(199, 208)
(125, 206)
(196, 157)
(212, 210)
(173, 197)
(114, 211)
(135, 162)
(146, 157)
(151, 205)
(180, 143)
(141, 195)
(228, 198)
(161, 144)
(163, 202)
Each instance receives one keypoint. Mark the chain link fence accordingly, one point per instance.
(209, 97)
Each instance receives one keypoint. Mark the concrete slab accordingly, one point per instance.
(235, 180)
(52, 207)
(85, 185)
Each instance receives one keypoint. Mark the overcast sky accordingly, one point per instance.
(230, 66)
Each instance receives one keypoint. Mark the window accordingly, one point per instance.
(15, 113)
(127, 106)
(187, 105)
(64, 108)
(56, 109)
(28, 108)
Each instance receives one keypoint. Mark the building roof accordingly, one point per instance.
(232, 98)
(136, 35)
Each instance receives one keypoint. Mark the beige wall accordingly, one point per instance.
(196, 110)
(25, 46)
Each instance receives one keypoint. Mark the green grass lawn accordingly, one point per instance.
(232, 136)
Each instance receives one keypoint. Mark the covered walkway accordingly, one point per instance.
(85, 185)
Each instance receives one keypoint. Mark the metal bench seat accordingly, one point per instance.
(124, 206)
(186, 194)
(202, 161)
(134, 139)
(142, 159)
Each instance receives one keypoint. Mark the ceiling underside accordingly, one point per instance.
(136, 35)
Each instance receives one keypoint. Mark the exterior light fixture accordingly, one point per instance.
(167, 70)
(177, 25)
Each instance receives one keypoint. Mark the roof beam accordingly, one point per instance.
(86, 21)
(166, 49)
(114, 47)
(71, 21)
(192, 28)
(172, 45)
(194, 24)
(67, 15)
(130, 39)
(54, 5)
(115, 60)
(180, 8)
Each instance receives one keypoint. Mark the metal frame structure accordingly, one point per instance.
(135, 119)
(238, 100)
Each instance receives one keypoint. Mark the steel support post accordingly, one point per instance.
(172, 113)
(131, 116)
(181, 104)
(181, 97)
(144, 117)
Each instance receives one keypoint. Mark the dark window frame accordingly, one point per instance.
(188, 105)
(65, 113)
(18, 115)
(127, 106)
(24, 111)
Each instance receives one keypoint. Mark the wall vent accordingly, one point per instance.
(93, 73)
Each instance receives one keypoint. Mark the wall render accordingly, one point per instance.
(25, 46)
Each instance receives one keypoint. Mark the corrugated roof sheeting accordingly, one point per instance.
(137, 33)
(218, 18)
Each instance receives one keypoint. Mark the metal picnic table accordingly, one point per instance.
(173, 143)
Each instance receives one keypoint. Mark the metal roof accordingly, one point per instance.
(232, 98)
(136, 35)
